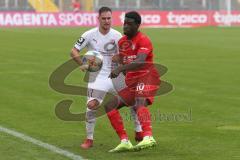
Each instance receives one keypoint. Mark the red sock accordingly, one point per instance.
(144, 118)
(117, 123)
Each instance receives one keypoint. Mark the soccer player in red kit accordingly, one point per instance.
(142, 80)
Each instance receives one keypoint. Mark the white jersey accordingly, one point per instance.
(107, 45)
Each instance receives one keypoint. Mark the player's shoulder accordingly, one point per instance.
(142, 36)
(115, 32)
(91, 31)
(123, 38)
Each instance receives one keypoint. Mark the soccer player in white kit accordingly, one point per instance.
(103, 39)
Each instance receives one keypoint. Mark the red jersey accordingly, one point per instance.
(129, 49)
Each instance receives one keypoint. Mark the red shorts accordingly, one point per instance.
(140, 87)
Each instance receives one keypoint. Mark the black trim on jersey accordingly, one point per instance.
(92, 93)
(80, 41)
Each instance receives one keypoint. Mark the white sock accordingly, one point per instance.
(90, 122)
(137, 124)
(147, 137)
(124, 140)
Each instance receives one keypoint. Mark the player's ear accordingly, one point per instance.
(137, 26)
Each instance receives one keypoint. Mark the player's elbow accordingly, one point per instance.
(72, 54)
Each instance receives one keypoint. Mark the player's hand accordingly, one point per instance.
(114, 73)
(84, 67)
(116, 58)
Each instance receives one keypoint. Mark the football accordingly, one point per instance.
(93, 61)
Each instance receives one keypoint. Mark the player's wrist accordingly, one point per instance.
(120, 69)
(80, 62)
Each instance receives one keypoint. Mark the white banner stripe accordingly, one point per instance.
(41, 144)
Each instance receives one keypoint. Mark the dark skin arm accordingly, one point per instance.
(137, 63)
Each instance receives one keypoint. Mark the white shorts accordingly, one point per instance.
(102, 85)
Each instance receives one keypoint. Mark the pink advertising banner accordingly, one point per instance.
(149, 19)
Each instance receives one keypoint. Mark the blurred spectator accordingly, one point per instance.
(76, 5)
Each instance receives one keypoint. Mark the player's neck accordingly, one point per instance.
(103, 31)
(133, 35)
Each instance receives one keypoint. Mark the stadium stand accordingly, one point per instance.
(44, 5)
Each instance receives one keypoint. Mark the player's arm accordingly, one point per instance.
(75, 55)
(117, 59)
(79, 45)
(136, 64)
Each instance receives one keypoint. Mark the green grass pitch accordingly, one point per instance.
(203, 65)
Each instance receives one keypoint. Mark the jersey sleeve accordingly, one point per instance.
(145, 46)
(82, 42)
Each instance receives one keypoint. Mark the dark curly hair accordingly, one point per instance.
(134, 15)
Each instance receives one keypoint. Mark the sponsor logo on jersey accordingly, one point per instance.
(110, 46)
(133, 47)
(129, 59)
(143, 48)
(125, 45)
